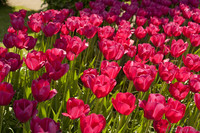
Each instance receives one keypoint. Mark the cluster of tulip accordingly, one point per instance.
(155, 43)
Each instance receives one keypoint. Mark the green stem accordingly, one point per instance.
(148, 124)
(197, 118)
(97, 105)
(130, 86)
(120, 123)
(1, 116)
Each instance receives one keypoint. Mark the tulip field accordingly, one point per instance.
(114, 67)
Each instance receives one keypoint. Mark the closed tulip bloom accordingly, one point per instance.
(140, 20)
(158, 39)
(92, 123)
(175, 110)
(188, 31)
(14, 60)
(6, 93)
(10, 40)
(56, 70)
(192, 61)
(183, 74)
(45, 125)
(88, 77)
(102, 86)
(167, 71)
(110, 69)
(157, 57)
(74, 47)
(124, 103)
(155, 21)
(197, 100)
(154, 107)
(51, 29)
(55, 54)
(186, 129)
(145, 50)
(144, 77)
(130, 69)
(3, 52)
(105, 32)
(178, 90)
(4, 70)
(41, 90)
(17, 21)
(196, 16)
(111, 49)
(35, 22)
(76, 108)
(194, 83)
(172, 29)
(79, 5)
(178, 48)
(30, 43)
(35, 60)
(140, 32)
(161, 126)
(178, 19)
(195, 39)
(24, 109)
(152, 29)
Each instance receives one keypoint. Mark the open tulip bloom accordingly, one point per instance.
(116, 66)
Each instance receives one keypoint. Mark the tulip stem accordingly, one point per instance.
(1, 116)
(120, 123)
(197, 118)
(168, 127)
(130, 86)
(148, 124)
(96, 107)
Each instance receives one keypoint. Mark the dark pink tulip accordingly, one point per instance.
(35, 60)
(110, 69)
(79, 5)
(183, 74)
(105, 32)
(140, 20)
(48, 15)
(111, 49)
(195, 40)
(165, 49)
(152, 29)
(45, 125)
(192, 61)
(196, 16)
(145, 50)
(140, 32)
(24, 109)
(45, 76)
(3, 52)
(102, 86)
(186, 129)
(76, 108)
(144, 77)
(194, 83)
(172, 29)
(88, 77)
(161, 126)
(178, 90)
(55, 54)
(154, 107)
(35, 22)
(187, 13)
(124, 103)
(175, 110)
(131, 51)
(30, 43)
(178, 19)
(157, 57)
(188, 31)
(17, 21)
(41, 90)
(194, 26)
(56, 70)
(4, 70)
(158, 39)
(96, 20)
(61, 15)
(6, 93)
(155, 21)
(75, 47)
(178, 47)
(64, 30)
(14, 60)
(10, 40)
(167, 71)
(51, 29)
(62, 42)
(72, 23)
(197, 100)
(92, 123)
(88, 30)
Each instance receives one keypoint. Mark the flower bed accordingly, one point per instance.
(116, 67)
